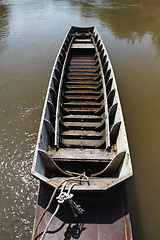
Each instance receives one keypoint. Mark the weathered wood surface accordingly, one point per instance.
(105, 216)
(70, 154)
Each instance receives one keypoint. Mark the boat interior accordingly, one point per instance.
(82, 128)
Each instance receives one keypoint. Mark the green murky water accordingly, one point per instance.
(31, 33)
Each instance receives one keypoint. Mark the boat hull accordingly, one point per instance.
(82, 128)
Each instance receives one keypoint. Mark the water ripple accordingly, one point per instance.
(18, 187)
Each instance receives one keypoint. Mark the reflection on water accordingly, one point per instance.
(30, 35)
(127, 19)
(4, 28)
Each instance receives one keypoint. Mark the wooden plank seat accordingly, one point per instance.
(90, 155)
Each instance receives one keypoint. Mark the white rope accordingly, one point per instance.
(63, 196)
(48, 224)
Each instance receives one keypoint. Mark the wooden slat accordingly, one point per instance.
(84, 93)
(82, 133)
(80, 118)
(81, 67)
(82, 74)
(86, 45)
(82, 98)
(82, 124)
(81, 143)
(83, 111)
(81, 105)
(82, 82)
(68, 154)
(82, 40)
(85, 70)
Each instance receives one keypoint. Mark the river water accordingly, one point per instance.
(31, 32)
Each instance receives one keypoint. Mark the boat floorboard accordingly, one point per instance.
(105, 216)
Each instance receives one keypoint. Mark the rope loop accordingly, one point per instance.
(65, 196)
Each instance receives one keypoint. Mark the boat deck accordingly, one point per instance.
(105, 216)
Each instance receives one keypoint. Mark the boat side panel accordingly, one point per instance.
(121, 143)
(42, 140)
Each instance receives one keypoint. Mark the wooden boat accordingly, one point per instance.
(82, 129)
